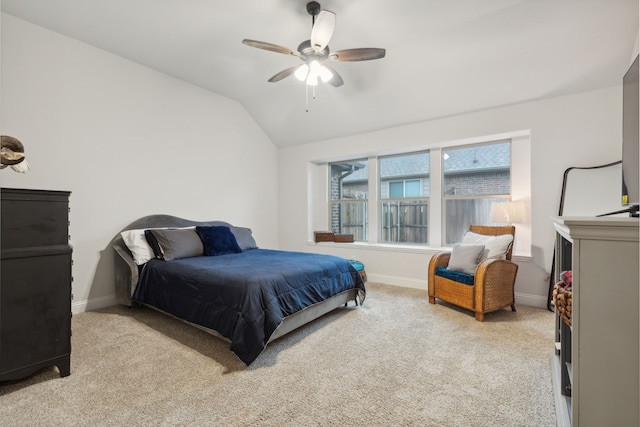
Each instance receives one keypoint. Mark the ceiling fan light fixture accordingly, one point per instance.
(302, 72)
(315, 71)
(315, 53)
(325, 74)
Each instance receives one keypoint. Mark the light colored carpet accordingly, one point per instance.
(396, 361)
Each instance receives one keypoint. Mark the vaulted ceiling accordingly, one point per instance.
(443, 57)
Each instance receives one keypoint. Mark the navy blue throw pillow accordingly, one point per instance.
(218, 240)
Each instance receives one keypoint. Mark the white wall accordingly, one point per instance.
(576, 130)
(128, 142)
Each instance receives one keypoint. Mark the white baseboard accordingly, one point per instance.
(93, 304)
(398, 281)
(531, 300)
(524, 299)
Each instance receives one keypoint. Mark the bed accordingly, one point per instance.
(247, 295)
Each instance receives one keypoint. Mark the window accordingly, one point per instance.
(349, 187)
(404, 198)
(473, 177)
(423, 197)
(406, 188)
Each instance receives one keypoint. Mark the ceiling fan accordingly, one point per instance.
(315, 52)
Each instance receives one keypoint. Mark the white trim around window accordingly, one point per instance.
(318, 196)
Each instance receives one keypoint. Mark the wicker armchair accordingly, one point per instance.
(494, 280)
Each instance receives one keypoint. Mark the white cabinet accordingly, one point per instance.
(602, 345)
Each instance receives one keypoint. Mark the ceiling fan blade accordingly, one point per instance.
(336, 80)
(284, 73)
(322, 30)
(270, 46)
(362, 54)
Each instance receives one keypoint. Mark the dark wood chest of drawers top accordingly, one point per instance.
(34, 218)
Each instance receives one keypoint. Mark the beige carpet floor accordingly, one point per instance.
(395, 361)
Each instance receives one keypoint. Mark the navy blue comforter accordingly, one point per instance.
(244, 296)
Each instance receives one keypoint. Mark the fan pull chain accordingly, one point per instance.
(306, 98)
(306, 95)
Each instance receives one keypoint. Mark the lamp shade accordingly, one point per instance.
(507, 212)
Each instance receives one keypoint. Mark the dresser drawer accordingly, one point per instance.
(33, 218)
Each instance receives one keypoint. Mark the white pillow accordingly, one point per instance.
(138, 245)
(465, 257)
(495, 246)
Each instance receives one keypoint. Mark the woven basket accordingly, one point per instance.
(562, 298)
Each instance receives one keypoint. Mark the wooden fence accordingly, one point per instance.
(350, 218)
(408, 221)
(461, 213)
(405, 221)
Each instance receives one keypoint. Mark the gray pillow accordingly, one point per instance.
(244, 238)
(465, 257)
(176, 244)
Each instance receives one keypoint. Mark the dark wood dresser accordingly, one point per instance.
(35, 282)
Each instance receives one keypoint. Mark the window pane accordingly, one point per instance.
(405, 221)
(461, 213)
(412, 188)
(350, 218)
(404, 208)
(349, 180)
(477, 170)
(405, 167)
(470, 174)
(396, 189)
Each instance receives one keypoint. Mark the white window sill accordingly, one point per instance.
(403, 248)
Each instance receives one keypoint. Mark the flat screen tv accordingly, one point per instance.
(631, 140)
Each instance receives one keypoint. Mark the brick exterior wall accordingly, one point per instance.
(351, 191)
(481, 183)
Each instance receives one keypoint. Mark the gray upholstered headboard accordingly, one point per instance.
(126, 270)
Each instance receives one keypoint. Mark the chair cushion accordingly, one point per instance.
(456, 276)
(465, 257)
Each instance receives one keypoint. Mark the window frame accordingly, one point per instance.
(445, 197)
(423, 200)
(520, 189)
(346, 201)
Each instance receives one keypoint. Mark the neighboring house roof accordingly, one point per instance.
(396, 167)
(478, 158)
(360, 174)
(401, 166)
